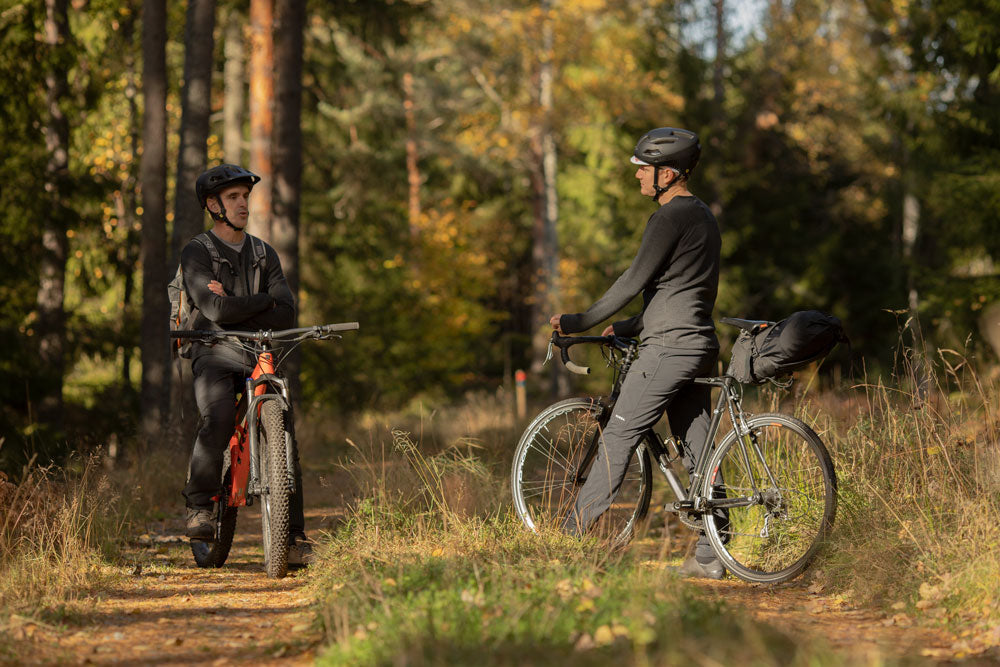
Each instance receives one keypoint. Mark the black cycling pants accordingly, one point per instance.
(660, 379)
(217, 380)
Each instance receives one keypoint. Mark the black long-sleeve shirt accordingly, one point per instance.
(272, 307)
(677, 271)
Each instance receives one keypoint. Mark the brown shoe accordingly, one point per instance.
(200, 524)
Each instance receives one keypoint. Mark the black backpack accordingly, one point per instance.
(182, 311)
(769, 351)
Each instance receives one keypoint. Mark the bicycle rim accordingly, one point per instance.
(772, 538)
(544, 474)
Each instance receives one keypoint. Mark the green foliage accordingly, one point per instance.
(828, 114)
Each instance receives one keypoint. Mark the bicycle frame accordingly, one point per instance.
(244, 445)
(688, 498)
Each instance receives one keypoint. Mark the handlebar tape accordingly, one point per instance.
(573, 368)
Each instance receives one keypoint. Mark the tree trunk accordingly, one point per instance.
(920, 369)
(196, 106)
(412, 156)
(51, 325)
(720, 54)
(545, 252)
(125, 203)
(153, 171)
(261, 113)
(232, 138)
(289, 23)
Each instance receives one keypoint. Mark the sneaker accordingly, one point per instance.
(201, 524)
(300, 551)
(710, 570)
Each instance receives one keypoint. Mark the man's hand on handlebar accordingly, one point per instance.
(554, 321)
(609, 330)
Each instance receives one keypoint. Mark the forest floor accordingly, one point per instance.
(165, 610)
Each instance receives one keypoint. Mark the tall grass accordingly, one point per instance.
(431, 567)
(56, 527)
(918, 527)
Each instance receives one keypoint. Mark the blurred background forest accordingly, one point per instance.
(449, 173)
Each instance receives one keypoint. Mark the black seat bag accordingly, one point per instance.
(787, 346)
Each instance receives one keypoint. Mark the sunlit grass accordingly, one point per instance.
(428, 571)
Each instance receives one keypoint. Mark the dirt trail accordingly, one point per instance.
(171, 612)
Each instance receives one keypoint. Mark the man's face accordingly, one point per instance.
(645, 176)
(236, 199)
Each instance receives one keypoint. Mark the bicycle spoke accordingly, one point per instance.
(771, 539)
(546, 470)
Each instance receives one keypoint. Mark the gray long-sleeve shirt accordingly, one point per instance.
(677, 271)
(272, 307)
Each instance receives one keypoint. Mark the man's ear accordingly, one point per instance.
(213, 204)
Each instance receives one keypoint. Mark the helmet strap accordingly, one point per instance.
(221, 215)
(659, 191)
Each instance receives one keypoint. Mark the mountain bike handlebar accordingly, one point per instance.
(566, 342)
(305, 332)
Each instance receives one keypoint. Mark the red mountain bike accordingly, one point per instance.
(259, 460)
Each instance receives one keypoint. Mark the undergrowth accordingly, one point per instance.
(426, 573)
(918, 526)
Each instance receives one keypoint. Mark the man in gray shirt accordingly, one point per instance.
(676, 269)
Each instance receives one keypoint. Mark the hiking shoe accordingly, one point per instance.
(711, 570)
(300, 551)
(201, 524)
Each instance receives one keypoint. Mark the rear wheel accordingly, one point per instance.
(214, 554)
(277, 484)
(545, 473)
(789, 503)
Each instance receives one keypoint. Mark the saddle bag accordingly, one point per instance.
(779, 349)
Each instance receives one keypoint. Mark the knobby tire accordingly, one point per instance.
(277, 483)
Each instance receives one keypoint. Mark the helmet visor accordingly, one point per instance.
(635, 160)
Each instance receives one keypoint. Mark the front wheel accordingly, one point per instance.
(277, 484)
(546, 472)
(780, 490)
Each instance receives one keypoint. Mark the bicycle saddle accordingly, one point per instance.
(752, 326)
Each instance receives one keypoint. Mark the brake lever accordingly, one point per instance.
(548, 353)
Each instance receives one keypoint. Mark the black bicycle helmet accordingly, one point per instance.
(668, 147)
(217, 178)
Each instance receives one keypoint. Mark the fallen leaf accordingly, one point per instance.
(584, 643)
(603, 636)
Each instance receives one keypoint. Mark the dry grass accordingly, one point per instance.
(432, 568)
(918, 527)
(56, 529)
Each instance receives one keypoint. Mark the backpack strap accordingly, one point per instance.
(259, 261)
(217, 259)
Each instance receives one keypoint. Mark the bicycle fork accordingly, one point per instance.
(256, 386)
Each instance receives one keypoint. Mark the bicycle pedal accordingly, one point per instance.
(680, 506)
